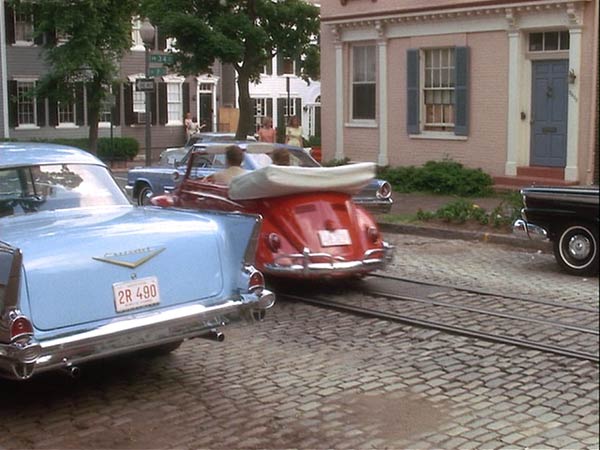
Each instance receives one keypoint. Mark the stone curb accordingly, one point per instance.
(443, 233)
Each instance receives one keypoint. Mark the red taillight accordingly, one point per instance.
(373, 234)
(256, 283)
(274, 242)
(19, 327)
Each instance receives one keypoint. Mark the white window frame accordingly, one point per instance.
(260, 109)
(172, 81)
(289, 110)
(104, 110)
(18, 24)
(60, 110)
(444, 127)
(363, 121)
(29, 126)
(544, 34)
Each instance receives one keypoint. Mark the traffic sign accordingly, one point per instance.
(157, 71)
(162, 59)
(144, 85)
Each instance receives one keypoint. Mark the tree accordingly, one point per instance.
(243, 33)
(85, 39)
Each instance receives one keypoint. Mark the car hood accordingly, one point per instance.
(71, 259)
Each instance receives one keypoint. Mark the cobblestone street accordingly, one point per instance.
(315, 378)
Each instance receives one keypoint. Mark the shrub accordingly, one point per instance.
(439, 177)
(462, 210)
(336, 162)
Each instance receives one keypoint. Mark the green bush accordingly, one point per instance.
(336, 162)
(440, 177)
(462, 210)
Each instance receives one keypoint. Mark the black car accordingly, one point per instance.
(568, 216)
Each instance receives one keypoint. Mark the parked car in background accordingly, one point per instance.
(172, 156)
(568, 216)
(145, 182)
(86, 275)
(311, 227)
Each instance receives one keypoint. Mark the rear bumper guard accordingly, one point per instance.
(20, 360)
(526, 230)
(304, 264)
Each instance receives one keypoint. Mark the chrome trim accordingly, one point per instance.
(301, 263)
(138, 332)
(129, 190)
(526, 230)
(377, 206)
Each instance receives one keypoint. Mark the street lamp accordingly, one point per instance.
(147, 35)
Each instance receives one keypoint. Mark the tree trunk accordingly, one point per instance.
(94, 97)
(246, 122)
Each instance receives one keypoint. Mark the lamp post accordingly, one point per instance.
(147, 35)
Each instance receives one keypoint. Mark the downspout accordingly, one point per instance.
(589, 178)
(3, 75)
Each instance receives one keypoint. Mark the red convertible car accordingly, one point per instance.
(311, 227)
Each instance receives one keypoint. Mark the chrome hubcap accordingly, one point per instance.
(579, 247)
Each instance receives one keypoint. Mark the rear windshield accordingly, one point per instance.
(52, 187)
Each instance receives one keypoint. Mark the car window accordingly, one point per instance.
(297, 158)
(53, 187)
(200, 162)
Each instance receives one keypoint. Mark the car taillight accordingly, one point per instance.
(373, 234)
(385, 190)
(274, 242)
(256, 283)
(19, 327)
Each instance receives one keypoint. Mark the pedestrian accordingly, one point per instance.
(234, 156)
(189, 125)
(293, 132)
(266, 132)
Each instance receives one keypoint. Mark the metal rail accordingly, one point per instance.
(490, 293)
(486, 312)
(395, 317)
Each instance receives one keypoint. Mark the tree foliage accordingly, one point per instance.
(243, 33)
(85, 39)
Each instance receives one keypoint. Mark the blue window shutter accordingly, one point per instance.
(461, 97)
(412, 91)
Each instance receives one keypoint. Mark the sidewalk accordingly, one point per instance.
(409, 204)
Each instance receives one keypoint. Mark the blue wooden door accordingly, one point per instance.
(549, 106)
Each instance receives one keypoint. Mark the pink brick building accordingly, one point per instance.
(508, 86)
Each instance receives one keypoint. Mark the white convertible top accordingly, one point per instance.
(274, 181)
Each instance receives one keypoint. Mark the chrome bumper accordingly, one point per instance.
(302, 265)
(24, 359)
(129, 190)
(523, 229)
(375, 206)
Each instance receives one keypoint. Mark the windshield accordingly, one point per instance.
(52, 187)
(298, 158)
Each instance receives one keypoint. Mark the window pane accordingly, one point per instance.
(564, 40)
(363, 101)
(536, 42)
(551, 41)
(25, 103)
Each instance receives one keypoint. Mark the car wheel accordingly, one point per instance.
(576, 249)
(144, 195)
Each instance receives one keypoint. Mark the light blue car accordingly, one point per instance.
(86, 275)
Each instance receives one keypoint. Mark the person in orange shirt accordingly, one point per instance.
(267, 133)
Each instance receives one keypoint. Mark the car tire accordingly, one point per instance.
(576, 249)
(143, 195)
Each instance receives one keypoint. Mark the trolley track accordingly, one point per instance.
(529, 330)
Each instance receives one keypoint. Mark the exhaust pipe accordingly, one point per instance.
(215, 335)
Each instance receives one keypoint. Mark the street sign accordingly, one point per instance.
(157, 71)
(162, 59)
(144, 85)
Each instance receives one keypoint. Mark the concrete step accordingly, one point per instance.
(541, 172)
(518, 182)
